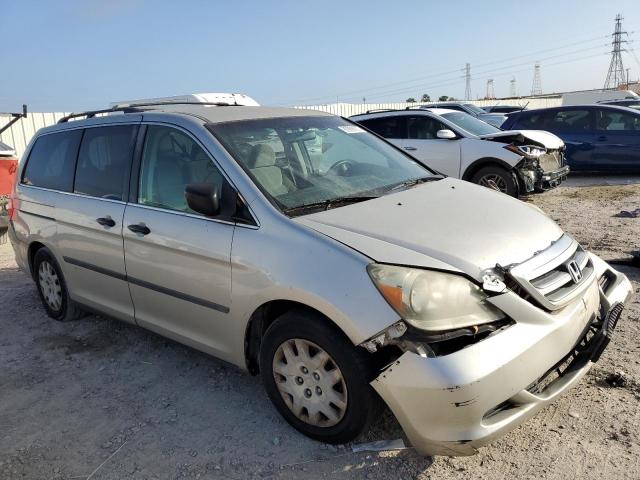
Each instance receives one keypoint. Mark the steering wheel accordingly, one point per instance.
(343, 168)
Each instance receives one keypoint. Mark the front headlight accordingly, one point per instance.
(530, 151)
(431, 300)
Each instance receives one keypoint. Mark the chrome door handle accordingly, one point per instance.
(410, 148)
(106, 221)
(140, 228)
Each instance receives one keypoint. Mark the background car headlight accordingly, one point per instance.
(432, 300)
(530, 151)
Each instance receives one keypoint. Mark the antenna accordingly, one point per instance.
(615, 75)
(467, 77)
(536, 88)
(512, 87)
(491, 94)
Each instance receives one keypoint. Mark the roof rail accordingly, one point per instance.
(375, 110)
(136, 108)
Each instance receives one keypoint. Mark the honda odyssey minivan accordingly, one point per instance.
(348, 277)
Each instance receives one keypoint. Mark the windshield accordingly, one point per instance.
(470, 123)
(474, 109)
(299, 161)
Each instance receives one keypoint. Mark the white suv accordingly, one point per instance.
(462, 146)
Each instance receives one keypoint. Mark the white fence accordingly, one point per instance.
(20, 133)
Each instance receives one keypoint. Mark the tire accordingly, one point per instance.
(502, 178)
(53, 288)
(356, 403)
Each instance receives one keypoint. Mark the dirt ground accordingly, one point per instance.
(98, 399)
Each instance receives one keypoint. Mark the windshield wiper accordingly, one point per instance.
(412, 182)
(327, 204)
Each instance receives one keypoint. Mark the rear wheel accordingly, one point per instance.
(316, 378)
(496, 178)
(52, 288)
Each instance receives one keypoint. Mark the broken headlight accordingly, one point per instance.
(431, 300)
(529, 151)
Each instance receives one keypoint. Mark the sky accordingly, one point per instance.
(70, 55)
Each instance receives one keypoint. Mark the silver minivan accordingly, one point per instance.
(299, 246)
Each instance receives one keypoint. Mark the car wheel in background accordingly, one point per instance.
(52, 288)
(317, 380)
(496, 178)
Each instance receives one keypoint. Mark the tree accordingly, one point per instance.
(425, 97)
(443, 98)
(410, 100)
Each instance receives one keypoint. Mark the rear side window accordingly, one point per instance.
(569, 121)
(104, 161)
(52, 161)
(531, 121)
(387, 127)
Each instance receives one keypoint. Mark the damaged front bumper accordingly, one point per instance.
(535, 179)
(453, 404)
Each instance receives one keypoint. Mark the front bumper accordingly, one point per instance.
(453, 404)
(552, 179)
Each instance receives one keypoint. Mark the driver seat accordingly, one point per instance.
(262, 164)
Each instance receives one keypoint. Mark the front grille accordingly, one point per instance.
(555, 276)
(550, 161)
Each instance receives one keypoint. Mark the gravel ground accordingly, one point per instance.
(99, 399)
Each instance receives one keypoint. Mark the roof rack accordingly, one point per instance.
(375, 110)
(136, 108)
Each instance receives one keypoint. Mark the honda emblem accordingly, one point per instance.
(574, 271)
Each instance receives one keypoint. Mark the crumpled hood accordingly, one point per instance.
(546, 139)
(447, 224)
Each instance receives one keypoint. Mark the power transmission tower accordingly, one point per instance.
(467, 77)
(490, 91)
(536, 88)
(512, 89)
(615, 75)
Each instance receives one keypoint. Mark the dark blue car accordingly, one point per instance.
(599, 138)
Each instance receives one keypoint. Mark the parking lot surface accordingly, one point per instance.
(99, 399)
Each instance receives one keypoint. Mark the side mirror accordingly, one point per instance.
(204, 198)
(446, 134)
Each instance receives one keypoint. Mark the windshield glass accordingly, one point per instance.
(298, 161)
(470, 123)
(474, 109)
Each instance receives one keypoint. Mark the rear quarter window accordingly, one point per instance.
(52, 160)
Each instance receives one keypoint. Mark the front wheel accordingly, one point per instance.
(317, 379)
(496, 178)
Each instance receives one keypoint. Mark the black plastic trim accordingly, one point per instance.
(179, 295)
(38, 215)
(150, 286)
(95, 268)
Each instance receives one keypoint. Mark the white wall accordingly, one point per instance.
(19, 134)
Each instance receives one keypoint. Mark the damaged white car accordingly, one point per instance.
(462, 146)
(299, 246)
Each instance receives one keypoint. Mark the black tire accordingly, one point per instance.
(67, 309)
(363, 404)
(504, 179)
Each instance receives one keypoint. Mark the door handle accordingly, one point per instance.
(106, 221)
(140, 228)
(410, 148)
(602, 138)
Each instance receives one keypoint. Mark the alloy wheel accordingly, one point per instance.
(493, 181)
(310, 382)
(50, 285)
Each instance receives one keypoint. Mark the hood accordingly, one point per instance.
(447, 224)
(546, 139)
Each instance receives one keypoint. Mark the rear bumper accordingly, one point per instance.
(454, 404)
